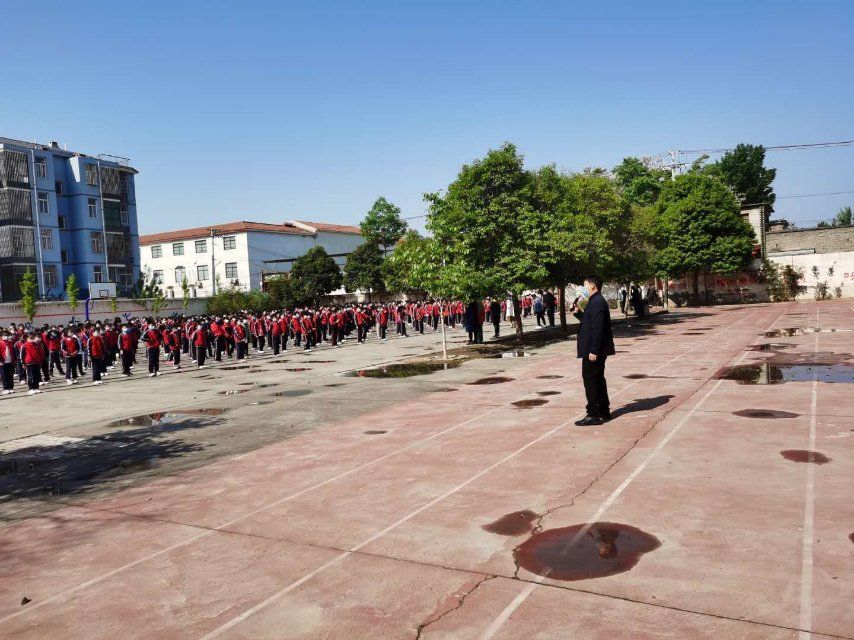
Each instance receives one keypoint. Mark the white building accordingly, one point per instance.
(238, 253)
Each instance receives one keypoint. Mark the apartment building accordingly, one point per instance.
(64, 212)
(237, 254)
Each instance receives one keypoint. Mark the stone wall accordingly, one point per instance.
(819, 240)
(59, 312)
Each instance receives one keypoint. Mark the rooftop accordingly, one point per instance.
(293, 227)
(54, 148)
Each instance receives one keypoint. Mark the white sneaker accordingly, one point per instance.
(203, 367)
(151, 375)
(38, 391)
(98, 382)
(125, 375)
(6, 392)
(31, 392)
(67, 382)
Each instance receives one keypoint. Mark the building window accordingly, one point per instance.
(178, 249)
(157, 277)
(41, 167)
(179, 274)
(47, 240)
(49, 275)
(229, 242)
(44, 203)
(64, 256)
(59, 187)
(93, 208)
(91, 175)
(156, 251)
(202, 272)
(123, 212)
(97, 243)
(97, 273)
(61, 221)
(201, 246)
(231, 270)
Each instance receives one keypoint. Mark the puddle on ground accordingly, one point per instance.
(318, 361)
(164, 417)
(585, 551)
(548, 393)
(334, 384)
(768, 346)
(245, 384)
(374, 432)
(403, 370)
(549, 376)
(790, 332)
(769, 373)
(297, 369)
(279, 361)
(851, 537)
(443, 390)
(643, 376)
(513, 524)
(234, 367)
(527, 404)
(801, 455)
(492, 380)
(260, 402)
(764, 413)
(512, 354)
(292, 393)
(693, 333)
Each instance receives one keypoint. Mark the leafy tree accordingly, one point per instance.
(114, 305)
(699, 229)
(579, 217)
(383, 224)
(486, 225)
(231, 301)
(400, 268)
(842, 217)
(185, 293)
(743, 170)
(317, 274)
(640, 183)
(158, 302)
(72, 291)
(286, 292)
(146, 288)
(29, 293)
(363, 269)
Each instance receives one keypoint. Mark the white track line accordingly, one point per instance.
(293, 585)
(805, 620)
(508, 611)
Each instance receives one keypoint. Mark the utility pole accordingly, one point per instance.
(674, 165)
(214, 232)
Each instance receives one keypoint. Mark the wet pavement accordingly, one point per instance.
(355, 507)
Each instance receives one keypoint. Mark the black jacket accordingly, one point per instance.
(595, 335)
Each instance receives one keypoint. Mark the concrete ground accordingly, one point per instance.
(714, 505)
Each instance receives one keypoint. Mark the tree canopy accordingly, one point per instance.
(363, 269)
(639, 182)
(315, 274)
(743, 170)
(383, 224)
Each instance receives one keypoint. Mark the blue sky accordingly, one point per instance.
(275, 110)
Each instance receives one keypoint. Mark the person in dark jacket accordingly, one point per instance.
(595, 344)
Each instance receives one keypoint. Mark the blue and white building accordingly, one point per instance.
(63, 212)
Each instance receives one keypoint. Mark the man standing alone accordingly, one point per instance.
(595, 344)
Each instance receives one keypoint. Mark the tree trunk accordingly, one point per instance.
(517, 319)
(696, 286)
(561, 296)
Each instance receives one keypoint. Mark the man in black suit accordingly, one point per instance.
(595, 344)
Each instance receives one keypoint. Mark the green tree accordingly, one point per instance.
(699, 229)
(639, 182)
(363, 269)
(72, 291)
(743, 170)
(383, 224)
(842, 217)
(158, 301)
(114, 305)
(400, 267)
(185, 293)
(286, 292)
(317, 273)
(486, 227)
(29, 293)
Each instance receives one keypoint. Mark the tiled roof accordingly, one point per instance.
(293, 228)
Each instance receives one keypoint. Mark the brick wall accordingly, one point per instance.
(825, 240)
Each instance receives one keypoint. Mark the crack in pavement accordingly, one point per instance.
(460, 603)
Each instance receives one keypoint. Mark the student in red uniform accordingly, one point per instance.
(199, 339)
(174, 341)
(151, 338)
(8, 362)
(97, 354)
(32, 355)
(240, 343)
(383, 322)
(127, 346)
(275, 335)
(70, 348)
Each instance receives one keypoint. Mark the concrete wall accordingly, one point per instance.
(840, 284)
(823, 240)
(59, 313)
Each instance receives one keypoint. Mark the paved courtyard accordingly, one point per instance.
(288, 500)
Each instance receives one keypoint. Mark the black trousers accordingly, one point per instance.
(277, 343)
(34, 376)
(595, 387)
(56, 361)
(127, 361)
(97, 367)
(8, 375)
(153, 359)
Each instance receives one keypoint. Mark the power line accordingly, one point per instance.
(812, 195)
(781, 147)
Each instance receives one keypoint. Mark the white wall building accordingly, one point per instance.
(240, 253)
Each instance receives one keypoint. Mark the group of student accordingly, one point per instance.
(37, 355)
